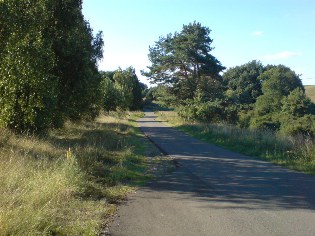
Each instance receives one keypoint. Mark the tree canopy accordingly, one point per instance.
(121, 89)
(183, 61)
(48, 63)
(243, 83)
(283, 101)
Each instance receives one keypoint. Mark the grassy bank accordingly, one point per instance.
(294, 152)
(68, 181)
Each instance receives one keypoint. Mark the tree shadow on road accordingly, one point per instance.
(226, 179)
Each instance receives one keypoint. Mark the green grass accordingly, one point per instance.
(310, 91)
(69, 181)
(293, 152)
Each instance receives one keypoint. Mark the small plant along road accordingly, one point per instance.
(213, 191)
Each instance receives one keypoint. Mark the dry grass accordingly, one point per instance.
(63, 183)
(310, 91)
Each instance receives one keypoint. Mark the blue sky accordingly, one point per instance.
(272, 31)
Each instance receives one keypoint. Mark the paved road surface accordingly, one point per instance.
(216, 192)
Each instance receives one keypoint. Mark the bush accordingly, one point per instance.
(265, 122)
(187, 112)
(304, 125)
(244, 118)
(211, 112)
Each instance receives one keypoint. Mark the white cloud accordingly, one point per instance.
(280, 55)
(257, 33)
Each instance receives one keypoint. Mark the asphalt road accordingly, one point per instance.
(216, 192)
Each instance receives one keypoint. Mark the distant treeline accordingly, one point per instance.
(251, 95)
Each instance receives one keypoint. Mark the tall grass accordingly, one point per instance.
(64, 183)
(294, 152)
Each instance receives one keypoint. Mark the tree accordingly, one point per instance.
(121, 89)
(144, 90)
(48, 64)
(243, 84)
(278, 82)
(110, 95)
(77, 53)
(297, 104)
(184, 63)
(162, 93)
(28, 88)
(123, 84)
(297, 114)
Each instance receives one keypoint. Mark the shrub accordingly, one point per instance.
(265, 122)
(213, 112)
(304, 125)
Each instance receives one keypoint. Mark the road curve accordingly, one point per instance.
(216, 192)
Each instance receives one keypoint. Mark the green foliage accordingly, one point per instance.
(243, 85)
(124, 84)
(283, 105)
(77, 53)
(137, 91)
(297, 104)
(48, 62)
(28, 89)
(297, 114)
(28, 94)
(280, 80)
(184, 62)
(244, 118)
(270, 97)
(260, 94)
(251, 95)
(149, 95)
(121, 89)
(268, 121)
(212, 112)
(163, 94)
(293, 125)
(110, 95)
